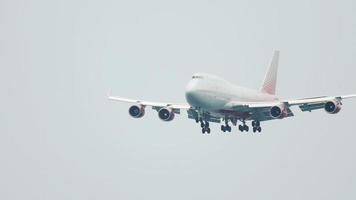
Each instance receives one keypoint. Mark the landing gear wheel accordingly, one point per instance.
(203, 130)
(202, 125)
(246, 128)
(223, 128)
(259, 129)
(256, 126)
(241, 128)
(228, 128)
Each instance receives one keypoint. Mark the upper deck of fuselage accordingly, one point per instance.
(207, 76)
(217, 86)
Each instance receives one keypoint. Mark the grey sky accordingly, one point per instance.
(61, 139)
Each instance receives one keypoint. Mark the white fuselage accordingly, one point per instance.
(213, 93)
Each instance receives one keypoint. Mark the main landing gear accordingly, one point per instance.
(204, 124)
(243, 127)
(256, 126)
(226, 127)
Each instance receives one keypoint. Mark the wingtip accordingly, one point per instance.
(349, 96)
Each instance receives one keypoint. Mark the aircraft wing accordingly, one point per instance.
(321, 99)
(315, 103)
(305, 104)
(154, 105)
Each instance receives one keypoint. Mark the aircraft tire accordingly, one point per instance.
(223, 128)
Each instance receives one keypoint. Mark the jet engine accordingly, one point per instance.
(166, 114)
(137, 111)
(278, 112)
(332, 107)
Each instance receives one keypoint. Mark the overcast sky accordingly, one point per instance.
(60, 138)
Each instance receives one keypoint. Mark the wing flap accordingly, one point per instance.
(310, 107)
(210, 117)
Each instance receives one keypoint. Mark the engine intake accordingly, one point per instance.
(166, 114)
(332, 107)
(278, 112)
(137, 111)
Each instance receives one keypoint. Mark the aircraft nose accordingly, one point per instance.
(190, 97)
(191, 93)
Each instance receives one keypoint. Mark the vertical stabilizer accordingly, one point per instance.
(270, 81)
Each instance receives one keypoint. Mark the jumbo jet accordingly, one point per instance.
(212, 99)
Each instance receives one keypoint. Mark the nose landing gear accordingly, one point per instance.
(205, 127)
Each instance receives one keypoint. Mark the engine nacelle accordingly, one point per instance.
(137, 111)
(332, 107)
(278, 112)
(166, 114)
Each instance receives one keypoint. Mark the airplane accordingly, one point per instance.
(211, 99)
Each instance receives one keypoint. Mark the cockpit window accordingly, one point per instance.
(197, 77)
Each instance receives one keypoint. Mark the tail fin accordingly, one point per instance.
(270, 81)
